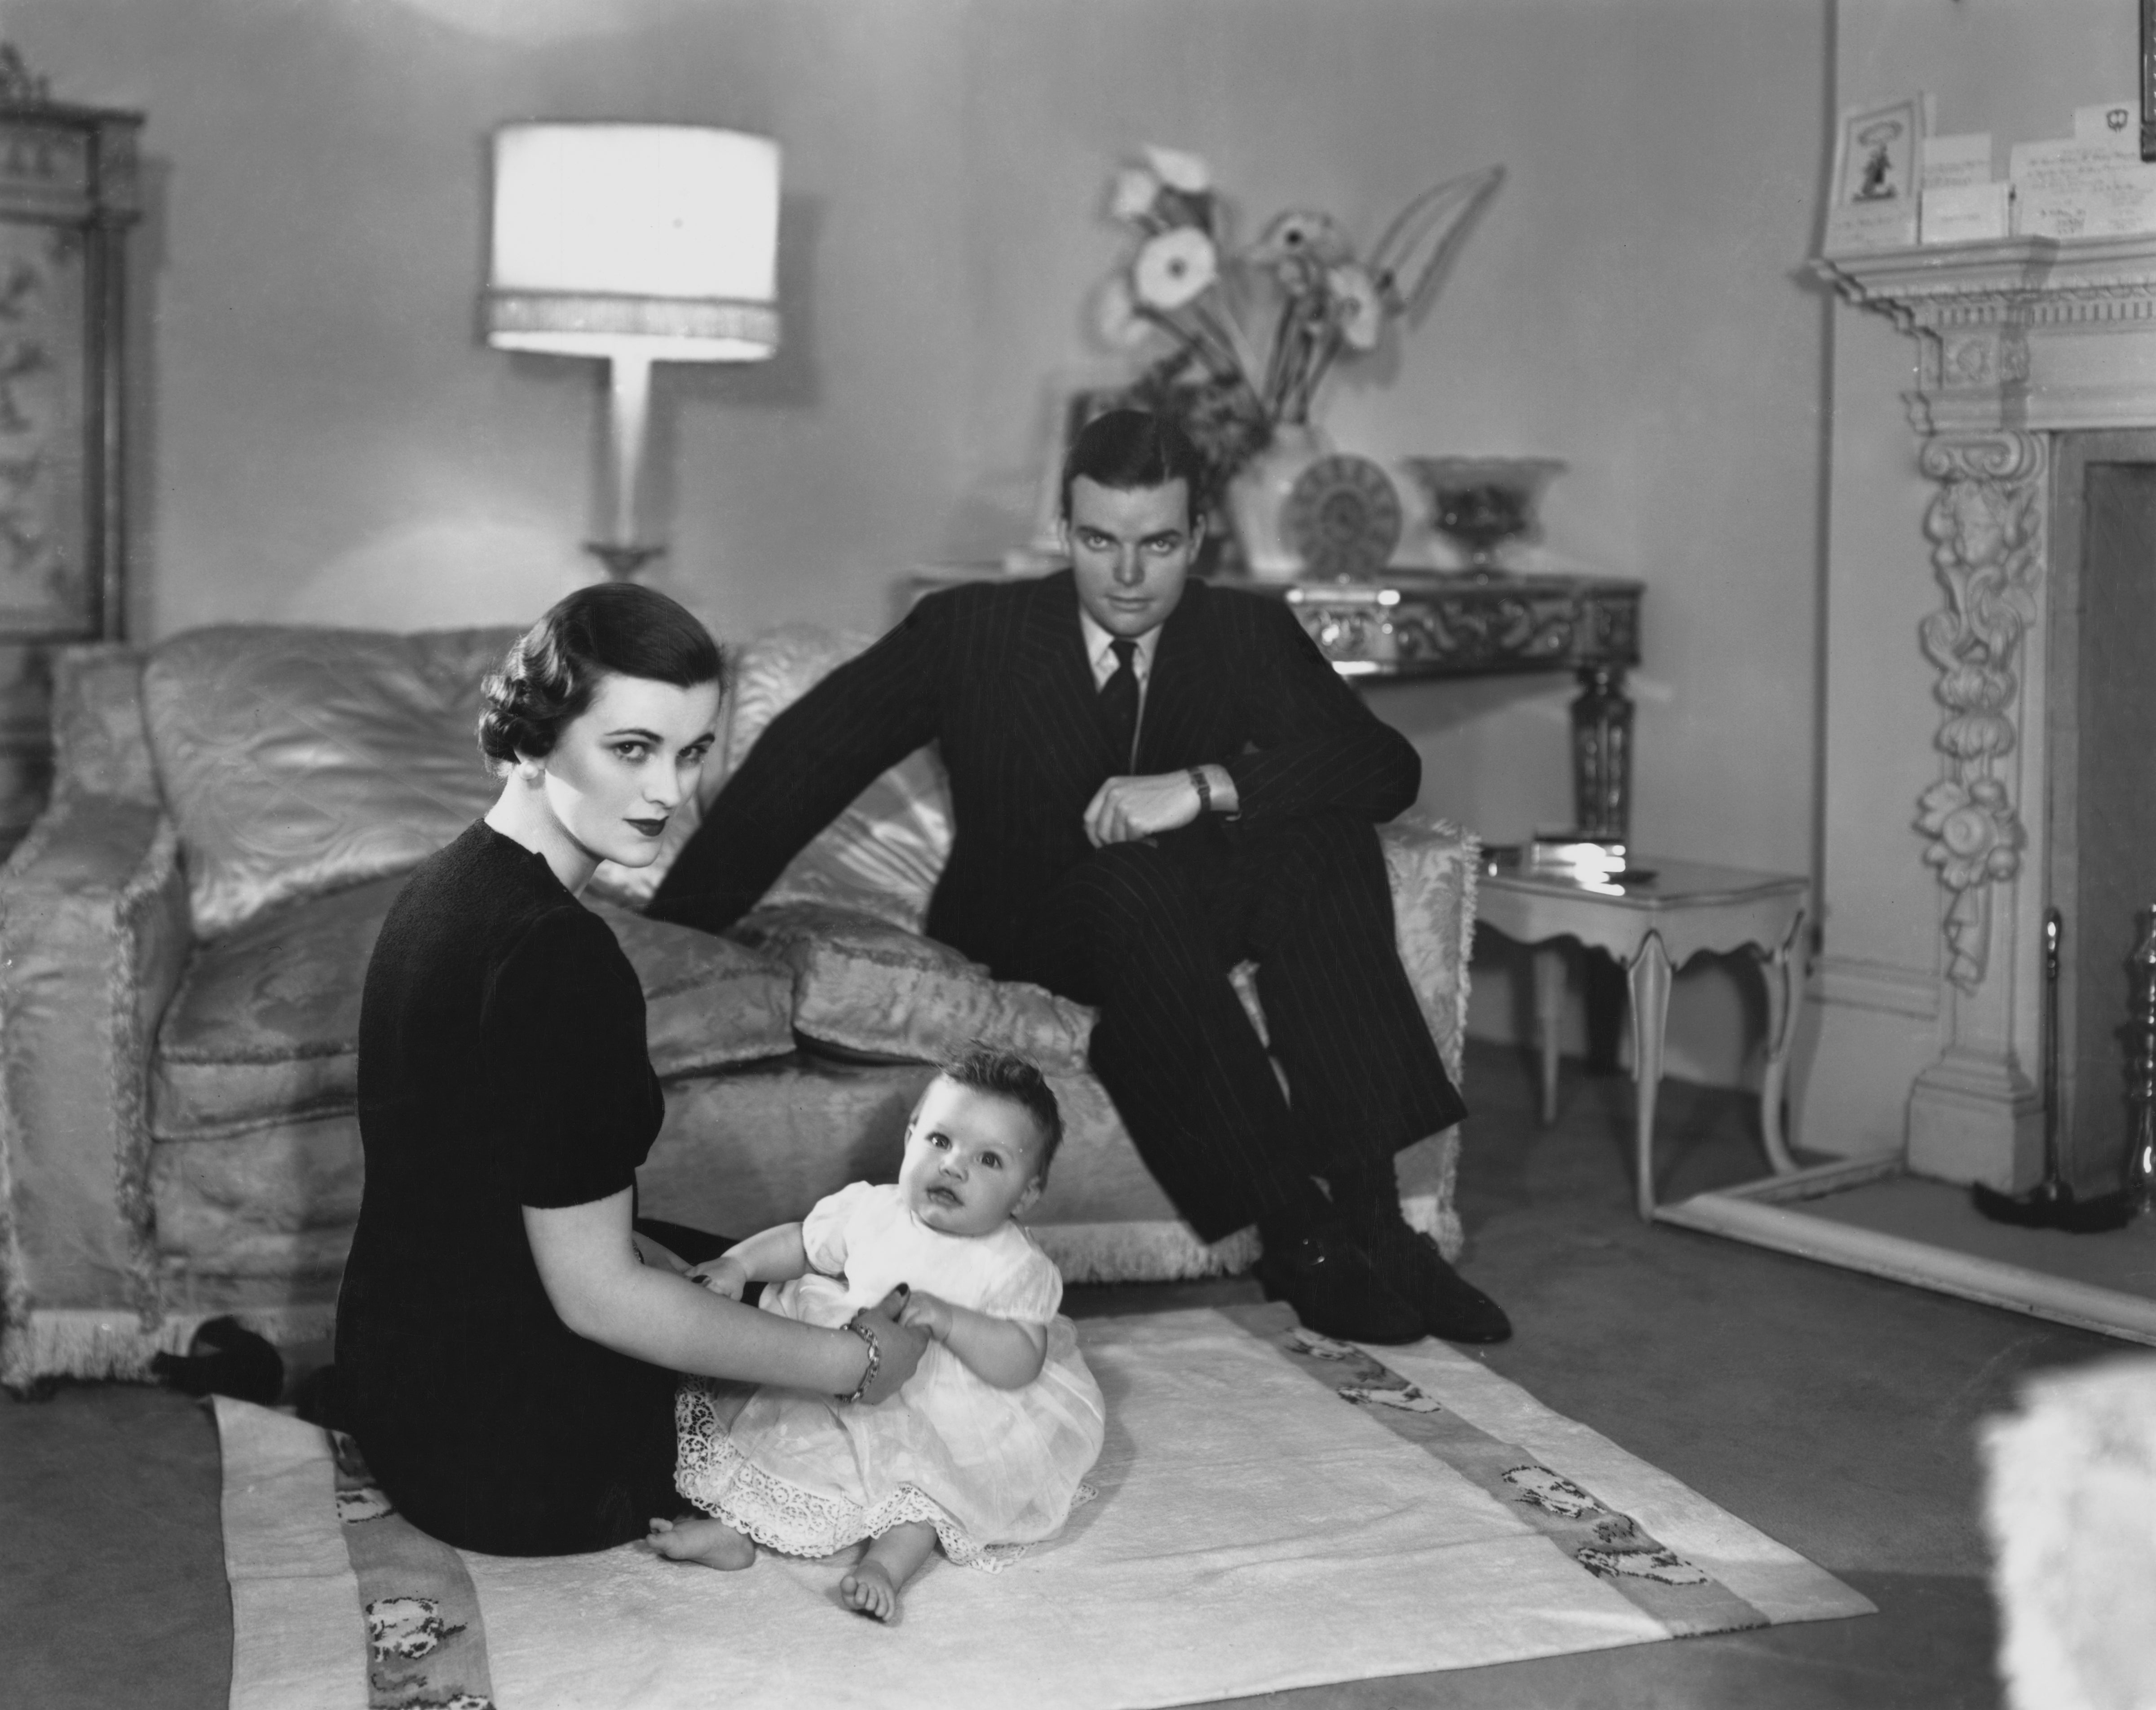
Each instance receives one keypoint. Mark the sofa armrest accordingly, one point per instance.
(1432, 865)
(94, 934)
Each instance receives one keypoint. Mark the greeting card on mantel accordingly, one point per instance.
(1957, 202)
(1876, 160)
(2090, 185)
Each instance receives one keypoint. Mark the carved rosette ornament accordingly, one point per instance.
(1986, 527)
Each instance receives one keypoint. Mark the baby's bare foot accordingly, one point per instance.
(699, 1538)
(868, 1590)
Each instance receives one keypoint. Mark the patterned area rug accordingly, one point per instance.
(1276, 1510)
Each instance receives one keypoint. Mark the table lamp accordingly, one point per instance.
(636, 244)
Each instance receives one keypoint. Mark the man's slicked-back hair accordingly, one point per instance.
(553, 668)
(1128, 448)
(1001, 1074)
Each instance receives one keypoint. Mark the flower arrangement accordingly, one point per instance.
(1252, 332)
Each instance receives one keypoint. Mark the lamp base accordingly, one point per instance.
(623, 560)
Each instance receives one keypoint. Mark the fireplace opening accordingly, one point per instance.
(2103, 770)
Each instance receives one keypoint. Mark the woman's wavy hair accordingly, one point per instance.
(550, 672)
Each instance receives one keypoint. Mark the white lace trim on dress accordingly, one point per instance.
(780, 1515)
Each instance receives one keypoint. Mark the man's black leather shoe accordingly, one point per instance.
(1447, 1303)
(1336, 1291)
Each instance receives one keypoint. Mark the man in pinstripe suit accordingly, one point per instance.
(1153, 779)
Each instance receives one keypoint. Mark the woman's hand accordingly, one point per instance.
(721, 1275)
(588, 1267)
(899, 1347)
(929, 1312)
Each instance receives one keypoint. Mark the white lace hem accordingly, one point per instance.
(783, 1515)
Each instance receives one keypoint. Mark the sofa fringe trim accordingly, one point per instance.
(90, 1343)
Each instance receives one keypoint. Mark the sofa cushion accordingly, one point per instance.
(879, 857)
(708, 1002)
(296, 761)
(876, 991)
(265, 1025)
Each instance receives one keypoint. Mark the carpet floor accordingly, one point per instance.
(1833, 1411)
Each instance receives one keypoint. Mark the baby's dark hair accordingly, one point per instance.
(552, 671)
(1003, 1074)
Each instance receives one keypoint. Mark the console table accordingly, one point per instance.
(1414, 624)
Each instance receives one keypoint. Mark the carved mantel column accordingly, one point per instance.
(1986, 530)
(2016, 340)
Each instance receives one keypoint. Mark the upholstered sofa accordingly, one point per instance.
(183, 932)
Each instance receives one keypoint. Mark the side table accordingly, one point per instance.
(1653, 923)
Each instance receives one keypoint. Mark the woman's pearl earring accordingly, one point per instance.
(529, 770)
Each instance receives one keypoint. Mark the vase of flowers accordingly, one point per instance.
(1243, 335)
(1255, 500)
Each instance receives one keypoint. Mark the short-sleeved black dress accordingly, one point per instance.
(502, 1064)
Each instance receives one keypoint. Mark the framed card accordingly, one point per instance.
(1875, 154)
(1873, 204)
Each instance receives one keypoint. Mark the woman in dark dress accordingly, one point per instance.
(505, 1360)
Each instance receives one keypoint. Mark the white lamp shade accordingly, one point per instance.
(653, 241)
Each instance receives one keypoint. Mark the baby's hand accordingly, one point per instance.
(924, 1311)
(721, 1275)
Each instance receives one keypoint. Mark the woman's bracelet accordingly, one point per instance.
(876, 1359)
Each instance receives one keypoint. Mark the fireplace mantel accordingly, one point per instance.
(2017, 340)
(2020, 333)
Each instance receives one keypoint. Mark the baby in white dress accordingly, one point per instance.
(985, 1445)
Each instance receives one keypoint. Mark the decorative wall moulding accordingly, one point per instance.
(1856, 984)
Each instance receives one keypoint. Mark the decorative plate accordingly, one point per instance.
(1343, 516)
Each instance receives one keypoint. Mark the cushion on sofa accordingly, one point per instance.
(297, 1173)
(265, 1025)
(882, 854)
(296, 761)
(877, 990)
(708, 1002)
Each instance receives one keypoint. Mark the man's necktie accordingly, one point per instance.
(1119, 700)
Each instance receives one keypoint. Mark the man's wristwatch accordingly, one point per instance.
(1203, 785)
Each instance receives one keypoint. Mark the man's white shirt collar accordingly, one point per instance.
(1101, 653)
